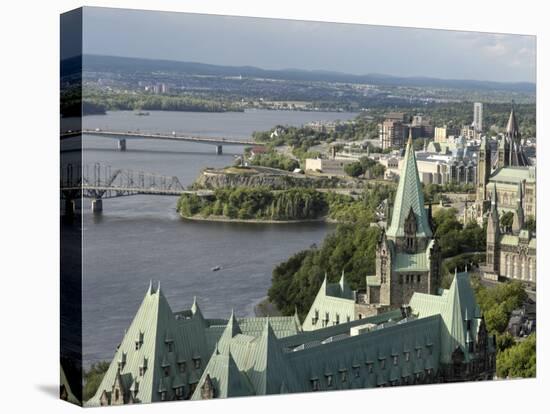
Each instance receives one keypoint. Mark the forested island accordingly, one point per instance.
(256, 204)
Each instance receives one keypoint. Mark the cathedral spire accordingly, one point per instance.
(409, 197)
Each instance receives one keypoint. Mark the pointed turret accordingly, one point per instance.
(519, 217)
(409, 197)
(516, 157)
(342, 282)
(196, 310)
(232, 329)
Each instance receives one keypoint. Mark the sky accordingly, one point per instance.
(284, 44)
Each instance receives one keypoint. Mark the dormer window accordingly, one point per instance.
(395, 360)
(166, 371)
(182, 367)
(143, 367)
(315, 384)
(170, 346)
(139, 341)
(179, 392)
(122, 361)
(197, 362)
(315, 318)
(370, 368)
(163, 395)
(329, 380)
(343, 375)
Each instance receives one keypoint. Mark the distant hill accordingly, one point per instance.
(133, 65)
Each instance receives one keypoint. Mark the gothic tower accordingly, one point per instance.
(483, 169)
(493, 235)
(407, 255)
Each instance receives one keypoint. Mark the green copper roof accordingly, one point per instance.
(409, 195)
(514, 175)
(333, 299)
(164, 344)
(417, 262)
(225, 376)
(455, 305)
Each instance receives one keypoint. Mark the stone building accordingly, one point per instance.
(407, 260)
(407, 255)
(509, 171)
(167, 356)
(510, 256)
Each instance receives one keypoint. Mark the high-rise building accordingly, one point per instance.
(392, 130)
(478, 116)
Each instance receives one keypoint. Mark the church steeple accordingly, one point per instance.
(409, 197)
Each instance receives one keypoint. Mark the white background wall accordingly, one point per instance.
(29, 204)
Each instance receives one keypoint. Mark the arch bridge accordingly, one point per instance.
(99, 182)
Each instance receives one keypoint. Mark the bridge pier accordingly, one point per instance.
(70, 208)
(122, 144)
(219, 150)
(97, 205)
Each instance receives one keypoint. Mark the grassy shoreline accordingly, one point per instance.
(223, 219)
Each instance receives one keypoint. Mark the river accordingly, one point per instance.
(140, 238)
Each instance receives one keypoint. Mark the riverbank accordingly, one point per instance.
(224, 219)
(266, 308)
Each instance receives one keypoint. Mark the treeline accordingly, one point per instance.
(295, 282)
(363, 166)
(273, 159)
(351, 248)
(143, 101)
(497, 303)
(456, 238)
(300, 139)
(256, 203)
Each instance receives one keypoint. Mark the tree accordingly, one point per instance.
(93, 378)
(507, 220)
(355, 169)
(531, 224)
(518, 361)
